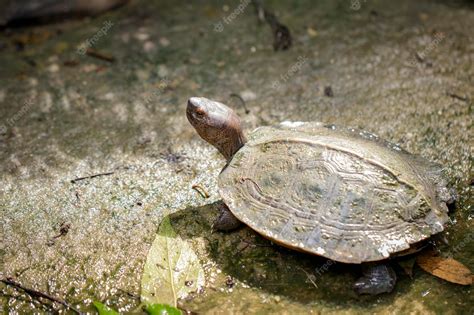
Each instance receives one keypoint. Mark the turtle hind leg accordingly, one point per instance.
(376, 279)
(226, 220)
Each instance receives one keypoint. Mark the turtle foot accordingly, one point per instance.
(376, 279)
(226, 220)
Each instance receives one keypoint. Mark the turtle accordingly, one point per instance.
(337, 192)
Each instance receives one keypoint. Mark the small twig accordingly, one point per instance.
(310, 277)
(458, 97)
(201, 191)
(244, 248)
(92, 176)
(63, 230)
(241, 100)
(282, 38)
(419, 57)
(132, 295)
(38, 294)
(20, 272)
(71, 63)
(99, 55)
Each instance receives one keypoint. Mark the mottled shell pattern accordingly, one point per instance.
(340, 193)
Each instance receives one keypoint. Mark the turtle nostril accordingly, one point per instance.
(200, 111)
(196, 107)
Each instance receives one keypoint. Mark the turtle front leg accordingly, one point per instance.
(226, 220)
(376, 279)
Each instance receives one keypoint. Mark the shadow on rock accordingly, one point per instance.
(247, 257)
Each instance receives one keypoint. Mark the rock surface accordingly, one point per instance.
(403, 70)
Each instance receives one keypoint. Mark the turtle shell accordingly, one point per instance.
(340, 193)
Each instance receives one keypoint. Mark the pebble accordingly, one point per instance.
(53, 58)
(163, 71)
(312, 32)
(53, 68)
(47, 103)
(109, 96)
(142, 36)
(66, 103)
(121, 111)
(165, 42)
(248, 95)
(149, 46)
(33, 81)
(423, 16)
(89, 68)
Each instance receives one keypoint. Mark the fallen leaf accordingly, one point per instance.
(312, 32)
(103, 309)
(162, 309)
(170, 265)
(445, 268)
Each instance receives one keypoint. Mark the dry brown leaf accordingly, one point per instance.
(445, 268)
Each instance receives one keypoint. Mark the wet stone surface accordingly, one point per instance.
(403, 70)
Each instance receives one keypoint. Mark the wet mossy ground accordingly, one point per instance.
(68, 115)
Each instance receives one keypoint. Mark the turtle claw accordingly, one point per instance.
(376, 279)
(226, 220)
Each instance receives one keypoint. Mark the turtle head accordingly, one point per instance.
(217, 124)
